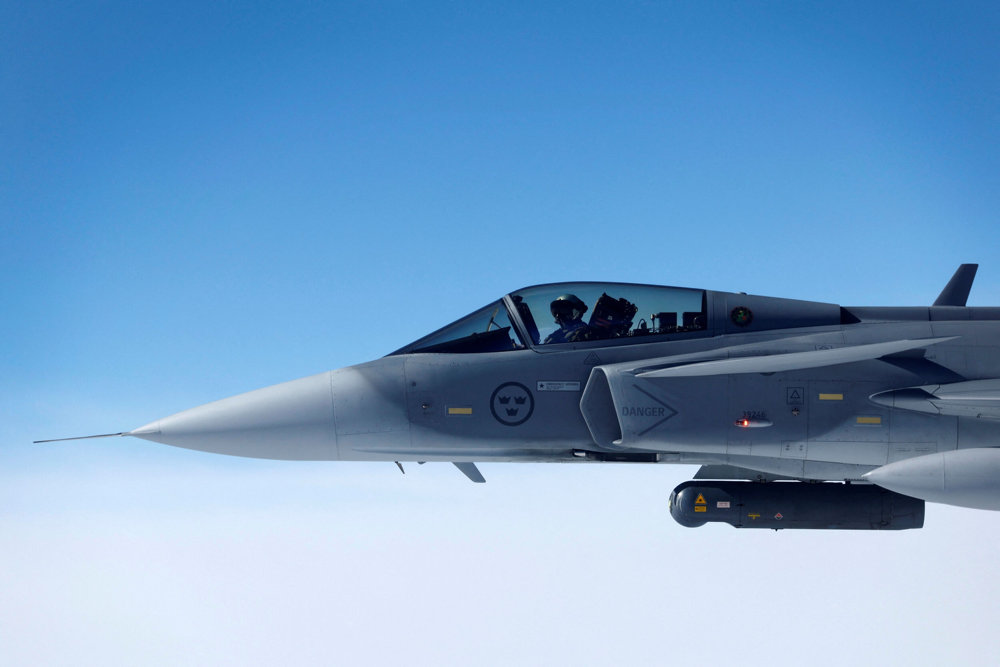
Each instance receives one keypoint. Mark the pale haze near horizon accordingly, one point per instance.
(202, 201)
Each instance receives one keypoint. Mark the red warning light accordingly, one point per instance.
(753, 422)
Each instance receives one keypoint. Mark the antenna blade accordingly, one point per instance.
(471, 471)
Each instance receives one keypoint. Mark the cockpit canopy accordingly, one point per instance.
(570, 313)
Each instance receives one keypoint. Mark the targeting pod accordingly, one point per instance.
(780, 505)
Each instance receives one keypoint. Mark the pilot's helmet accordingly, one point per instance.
(567, 307)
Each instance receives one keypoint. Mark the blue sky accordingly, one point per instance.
(201, 200)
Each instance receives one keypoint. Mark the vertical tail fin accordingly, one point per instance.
(956, 292)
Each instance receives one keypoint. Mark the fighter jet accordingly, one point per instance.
(801, 414)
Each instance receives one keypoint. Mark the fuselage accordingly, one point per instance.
(460, 400)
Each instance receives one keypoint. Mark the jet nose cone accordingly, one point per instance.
(292, 420)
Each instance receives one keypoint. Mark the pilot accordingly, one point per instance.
(568, 310)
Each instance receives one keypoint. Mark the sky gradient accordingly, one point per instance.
(198, 201)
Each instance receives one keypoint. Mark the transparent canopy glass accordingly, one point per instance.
(486, 330)
(570, 313)
(609, 310)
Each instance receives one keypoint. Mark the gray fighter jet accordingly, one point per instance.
(802, 414)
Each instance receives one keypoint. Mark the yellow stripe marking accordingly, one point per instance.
(869, 420)
(831, 397)
(459, 411)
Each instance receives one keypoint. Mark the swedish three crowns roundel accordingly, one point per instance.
(512, 403)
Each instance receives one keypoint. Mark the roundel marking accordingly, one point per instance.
(512, 403)
(741, 316)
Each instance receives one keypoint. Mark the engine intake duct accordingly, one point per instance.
(781, 505)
